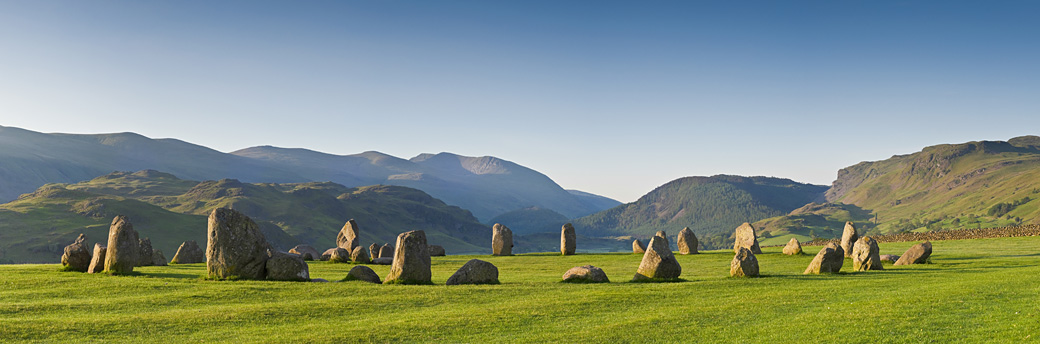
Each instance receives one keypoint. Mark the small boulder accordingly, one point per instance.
(687, 241)
(360, 255)
(744, 264)
(865, 255)
(436, 250)
(189, 253)
(282, 266)
(848, 238)
(891, 258)
(567, 240)
(339, 255)
(917, 254)
(76, 256)
(411, 260)
(638, 247)
(97, 263)
(325, 256)
(501, 240)
(158, 258)
(374, 250)
(475, 271)
(319, 280)
(348, 236)
(236, 247)
(658, 262)
(793, 247)
(383, 261)
(362, 273)
(144, 252)
(745, 237)
(123, 246)
(829, 260)
(585, 274)
(306, 252)
(386, 251)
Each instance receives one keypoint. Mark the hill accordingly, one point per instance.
(37, 226)
(708, 205)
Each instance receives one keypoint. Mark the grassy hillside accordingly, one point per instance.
(975, 291)
(708, 205)
(814, 220)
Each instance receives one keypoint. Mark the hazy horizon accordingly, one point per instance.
(612, 98)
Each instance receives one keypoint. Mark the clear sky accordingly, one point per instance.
(610, 97)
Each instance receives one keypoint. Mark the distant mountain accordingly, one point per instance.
(708, 205)
(594, 201)
(487, 186)
(169, 210)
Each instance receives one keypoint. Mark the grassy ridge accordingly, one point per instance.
(976, 290)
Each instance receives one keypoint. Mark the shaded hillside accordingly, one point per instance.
(594, 201)
(531, 220)
(708, 205)
(814, 220)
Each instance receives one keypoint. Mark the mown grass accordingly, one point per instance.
(983, 290)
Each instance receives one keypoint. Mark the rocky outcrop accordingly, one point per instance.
(76, 256)
(348, 237)
(687, 241)
(658, 262)
(917, 254)
(475, 271)
(848, 238)
(236, 248)
(189, 253)
(282, 266)
(123, 246)
(411, 260)
(744, 264)
(306, 252)
(638, 247)
(793, 247)
(360, 255)
(567, 240)
(829, 260)
(745, 237)
(97, 262)
(865, 255)
(437, 250)
(501, 240)
(362, 273)
(585, 274)
(144, 252)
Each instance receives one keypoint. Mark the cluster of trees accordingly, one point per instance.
(1001, 209)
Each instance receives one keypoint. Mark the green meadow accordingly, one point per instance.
(983, 290)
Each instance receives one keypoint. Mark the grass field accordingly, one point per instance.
(983, 290)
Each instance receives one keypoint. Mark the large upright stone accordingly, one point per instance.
(793, 247)
(97, 263)
(386, 251)
(744, 264)
(567, 240)
(123, 246)
(658, 262)
(360, 255)
(76, 256)
(236, 247)
(745, 237)
(501, 240)
(687, 241)
(281, 266)
(158, 258)
(189, 253)
(144, 252)
(475, 271)
(830, 259)
(306, 252)
(917, 254)
(348, 236)
(848, 238)
(865, 255)
(411, 260)
(374, 250)
(638, 247)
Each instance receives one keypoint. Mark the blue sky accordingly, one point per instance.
(610, 97)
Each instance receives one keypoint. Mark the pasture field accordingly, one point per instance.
(981, 290)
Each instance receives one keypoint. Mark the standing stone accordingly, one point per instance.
(918, 254)
(123, 246)
(360, 255)
(687, 241)
(411, 260)
(848, 238)
(891, 258)
(158, 258)
(325, 256)
(144, 252)
(744, 264)
(437, 250)
(386, 251)
(76, 256)
(658, 262)
(374, 250)
(865, 255)
(97, 263)
(567, 240)
(475, 271)
(745, 237)
(830, 259)
(585, 274)
(348, 236)
(362, 273)
(793, 247)
(236, 247)
(306, 252)
(638, 247)
(664, 237)
(189, 253)
(338, 255)
(501, 241)
(283, 266)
